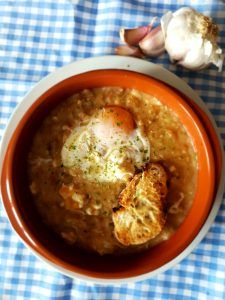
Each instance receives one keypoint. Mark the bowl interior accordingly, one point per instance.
(26, 220)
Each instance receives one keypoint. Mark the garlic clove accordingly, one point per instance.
(165, 21)
(194, 60)
(129, 51)
(133, 36)
(198, 60)
(153, 43)
(175, 35)
(177, 45)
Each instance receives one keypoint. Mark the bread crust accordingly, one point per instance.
(141, 214)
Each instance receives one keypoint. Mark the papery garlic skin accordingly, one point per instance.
(190, 39)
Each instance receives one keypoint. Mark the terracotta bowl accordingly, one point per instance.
(22, 213)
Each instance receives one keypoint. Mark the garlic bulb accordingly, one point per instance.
(189, 37)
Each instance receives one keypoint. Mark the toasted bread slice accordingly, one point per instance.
(141, 215)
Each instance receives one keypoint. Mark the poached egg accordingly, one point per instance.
(109, 148)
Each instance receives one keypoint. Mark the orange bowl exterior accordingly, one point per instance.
(22, 213)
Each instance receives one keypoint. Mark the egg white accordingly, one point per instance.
(105, 159)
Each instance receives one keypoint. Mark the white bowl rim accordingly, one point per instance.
(121, 63)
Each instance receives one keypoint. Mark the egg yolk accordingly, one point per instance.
(117, 118)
